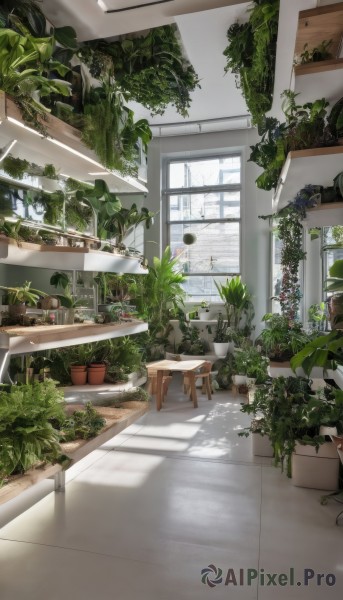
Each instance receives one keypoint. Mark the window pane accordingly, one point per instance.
(215, 205)
(197, 173)
(216, 249)
(202, 287)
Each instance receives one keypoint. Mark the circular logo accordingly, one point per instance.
(211, 576)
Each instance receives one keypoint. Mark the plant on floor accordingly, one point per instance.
(291, 413)
(251, 363)
(155, 295)
(150, 69)
(27, 436)
(251, 55)
(82, 424)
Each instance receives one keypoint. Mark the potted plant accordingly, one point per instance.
(240, 368)
(67, 299)
(192, 344)
(19, 297)
(204, 311)
(281, 339)
(324, 351)
(236, 298)
(221, 338)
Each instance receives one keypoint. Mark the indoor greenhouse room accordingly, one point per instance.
(171, 299)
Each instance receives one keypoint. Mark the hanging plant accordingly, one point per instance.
(150, 69)
(251, 55)
(15, 167)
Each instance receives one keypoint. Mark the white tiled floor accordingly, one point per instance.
(173, 494)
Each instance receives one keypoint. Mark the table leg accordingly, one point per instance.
(159, 385)
(193, 389)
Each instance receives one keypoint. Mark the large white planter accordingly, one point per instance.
(239, 379)
(261, 445)
(318, 470)
(204, 316)
(221, 349)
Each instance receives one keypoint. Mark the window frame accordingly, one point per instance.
(169, 191)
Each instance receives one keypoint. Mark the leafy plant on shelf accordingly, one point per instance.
(26, 63)
(291, 413)
(123, 221)
(252, 363)
(316, 54)
(15, 167)
(27, 436)
(251, 55)
(150, 69)
(237, 303)
(306, 126)
(82, 424)
(191, 343)
(221, 336)
(281, 339)
(67, 299)
(23, 294)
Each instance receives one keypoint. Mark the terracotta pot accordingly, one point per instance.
(15, 310)
(78, 375)
(97, 366)
(96, 376)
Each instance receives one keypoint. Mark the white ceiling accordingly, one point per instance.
(203, 32)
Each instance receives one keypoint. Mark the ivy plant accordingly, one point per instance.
(251, 55)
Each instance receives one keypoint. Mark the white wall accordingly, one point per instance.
(255, 232)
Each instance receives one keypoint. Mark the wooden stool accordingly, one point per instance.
(205, 375)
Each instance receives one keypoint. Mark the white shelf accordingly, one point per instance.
(62, 147)
(21, 340)
(78, 259)
(97, 393)
(317, 166)
(324, 215)
(319, 79)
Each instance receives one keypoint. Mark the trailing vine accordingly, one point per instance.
(290, 233)
(251, 55)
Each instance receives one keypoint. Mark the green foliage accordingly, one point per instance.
(155, 295)
(191, 343)
(324, 351)
(15, 167)
(78, 215)
(306, 126)
(26, 434)
(220, 335)
(335, 282)
(236, 298)
(119, 224)
(251, 55)
(316, 54)
(252, 363)
(50, 171)
(82, 424)
(25, 293)
(109, 128)
(290, 413)
(290, 232)
(150, 69)
(281, 339)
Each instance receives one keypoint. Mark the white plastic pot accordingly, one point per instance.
(221, 349)
(239, 379)
(318, 470)
(261, 445)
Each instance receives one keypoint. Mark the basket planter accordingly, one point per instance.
(318, 470)
(261, 445)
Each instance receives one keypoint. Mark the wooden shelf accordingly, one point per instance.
(318, 67)
(319, 24)
(78, 259)
(317, 166)
(116, 422)
(324, 215)
(62, 147)
(21, 340)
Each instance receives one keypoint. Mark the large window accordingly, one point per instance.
(204, 198)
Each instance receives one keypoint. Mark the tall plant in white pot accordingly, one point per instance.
(221, 340)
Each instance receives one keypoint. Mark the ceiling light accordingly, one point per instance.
(102, 5)
(7, 149)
